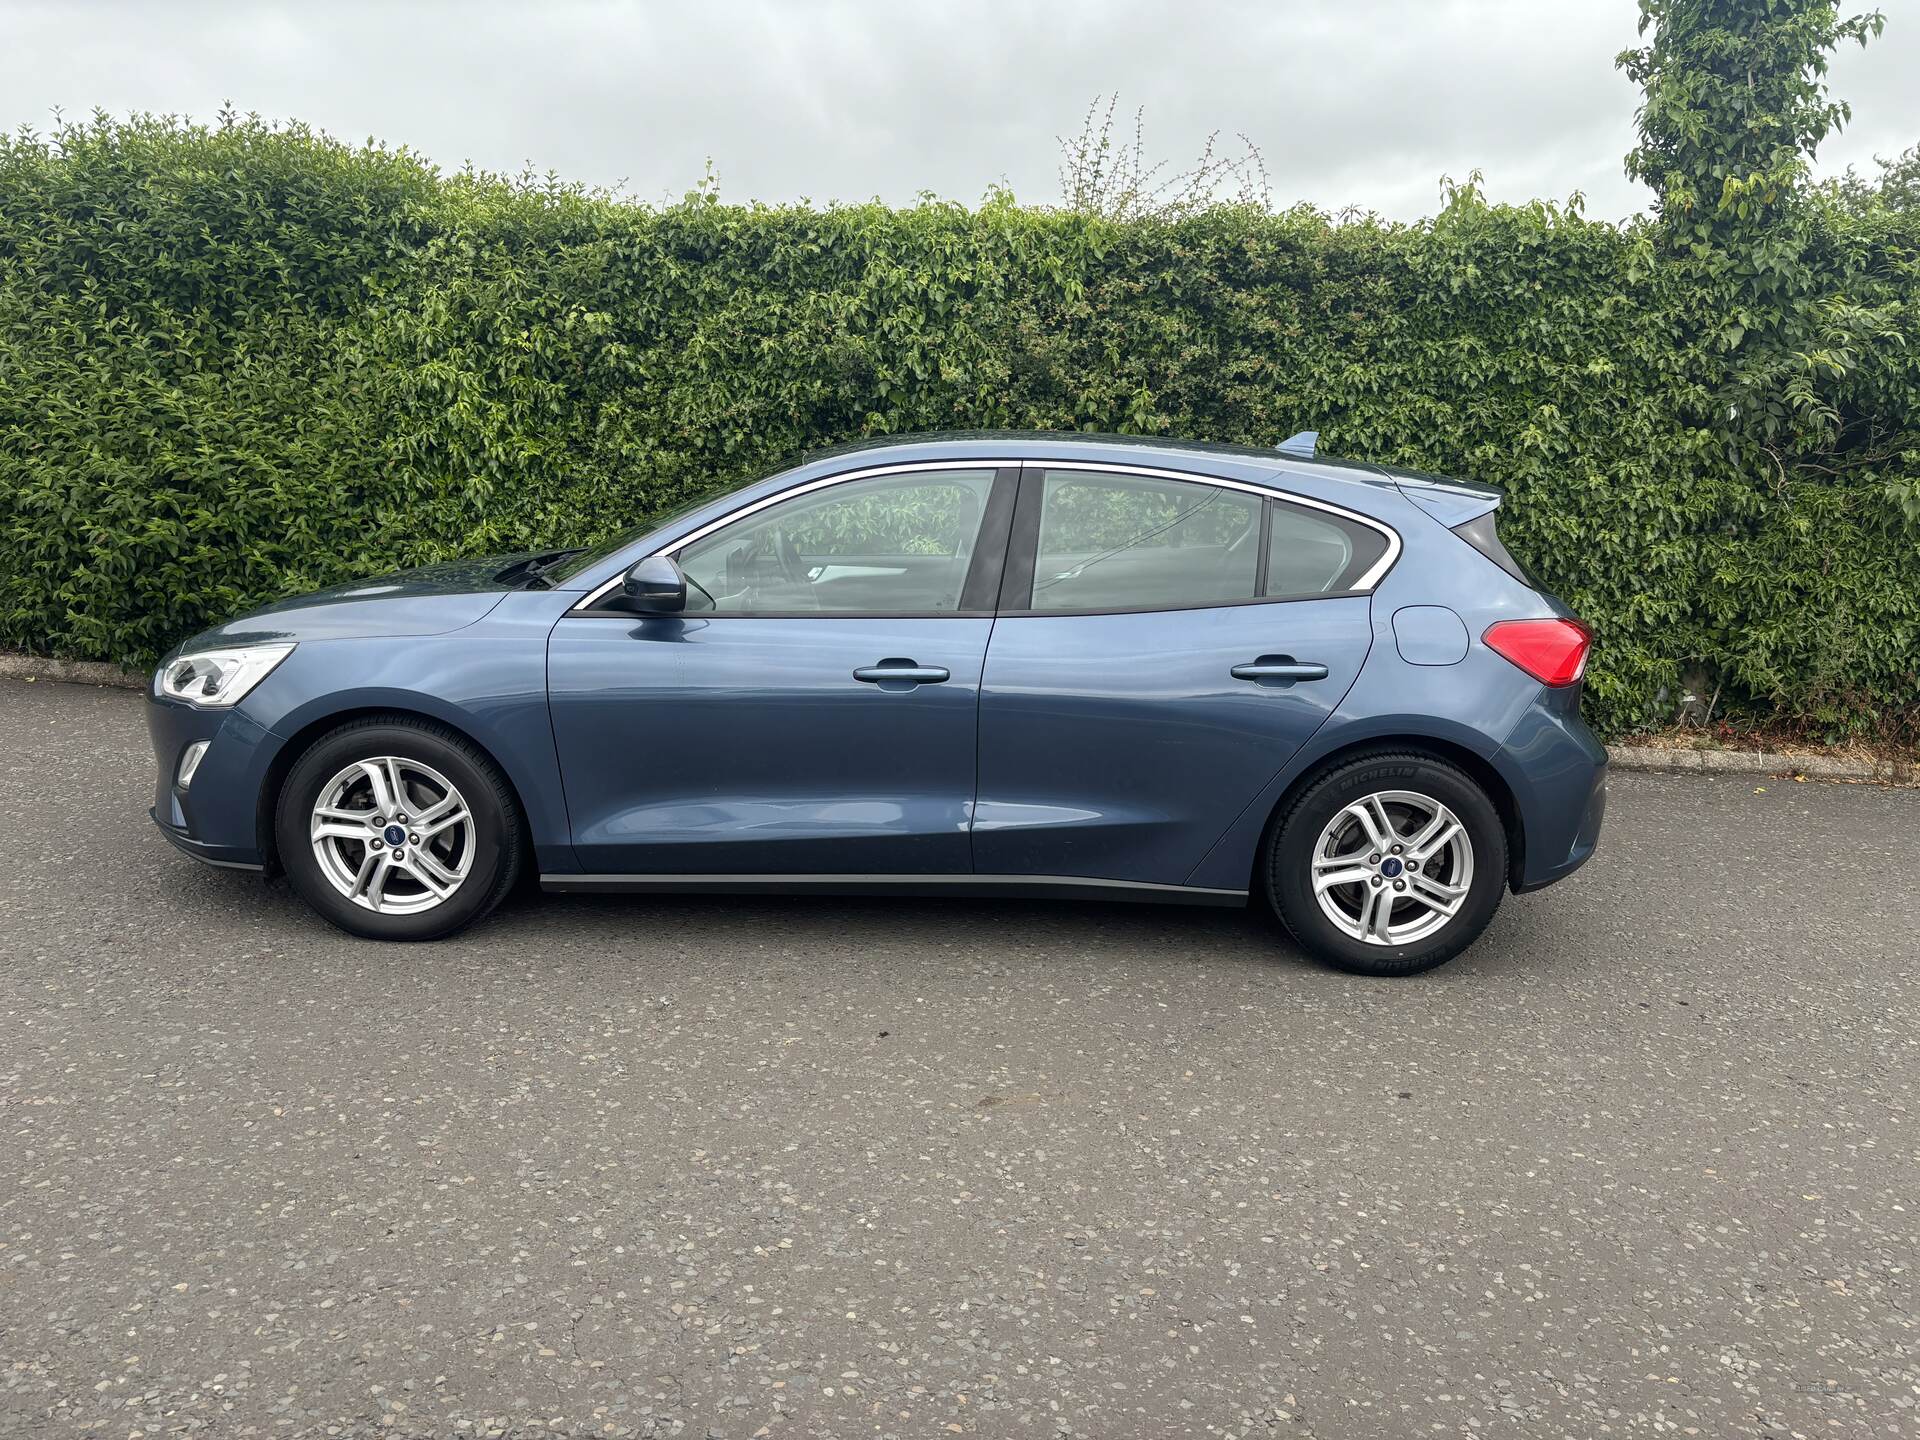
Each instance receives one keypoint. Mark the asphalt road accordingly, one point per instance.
(1643, 1162)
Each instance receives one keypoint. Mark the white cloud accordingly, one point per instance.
(1352, 102)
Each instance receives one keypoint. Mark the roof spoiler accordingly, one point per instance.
(1452, 502)
(1303, 444)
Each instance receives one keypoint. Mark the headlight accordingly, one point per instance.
(217, 679)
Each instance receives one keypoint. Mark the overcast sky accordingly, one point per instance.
(1352, 102)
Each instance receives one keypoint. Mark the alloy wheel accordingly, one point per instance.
(392, 835)
(1392, 868)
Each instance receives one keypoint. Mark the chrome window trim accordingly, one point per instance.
(1362, 586)
(1374, 573)
(843, 477)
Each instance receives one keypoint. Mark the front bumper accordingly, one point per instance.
(206, 854)
(216, 818)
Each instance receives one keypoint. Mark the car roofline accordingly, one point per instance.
(1034, 445)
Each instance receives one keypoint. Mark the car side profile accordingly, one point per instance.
(995, 664)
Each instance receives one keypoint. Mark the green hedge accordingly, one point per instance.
(238, 361)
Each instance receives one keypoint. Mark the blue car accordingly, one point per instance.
(998, 664)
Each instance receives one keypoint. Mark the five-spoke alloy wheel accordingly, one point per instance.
(1387, 864)
(398, 829)
(1393, 867)
(392, 834)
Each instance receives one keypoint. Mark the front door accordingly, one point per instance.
(1164, 646)
(814, 710)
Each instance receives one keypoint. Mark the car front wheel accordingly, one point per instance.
(1388, 864)
(398, 829)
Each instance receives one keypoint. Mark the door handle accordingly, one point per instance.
(897, 674)
(1282, 668)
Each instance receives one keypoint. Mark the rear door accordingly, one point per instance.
(814, 710)
(1165, 643)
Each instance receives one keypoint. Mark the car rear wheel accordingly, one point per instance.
(398, 829)
(1387, 864)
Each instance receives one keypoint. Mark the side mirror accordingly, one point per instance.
(654, 586)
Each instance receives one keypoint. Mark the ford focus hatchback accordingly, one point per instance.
(997, 665)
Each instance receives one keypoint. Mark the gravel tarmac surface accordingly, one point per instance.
(1643, 1162)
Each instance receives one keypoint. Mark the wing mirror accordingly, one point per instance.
(654, 586)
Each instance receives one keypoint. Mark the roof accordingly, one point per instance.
(1086, 445)
(991, 438)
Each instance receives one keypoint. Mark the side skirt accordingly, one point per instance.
(1032, 887)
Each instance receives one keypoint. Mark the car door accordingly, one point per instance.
(815, 708)
(1165, 643)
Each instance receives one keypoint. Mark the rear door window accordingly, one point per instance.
(1110, 541)
(1136, 542)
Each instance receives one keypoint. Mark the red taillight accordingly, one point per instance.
(1554, 652)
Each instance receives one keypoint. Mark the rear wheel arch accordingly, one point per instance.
(1477, 768)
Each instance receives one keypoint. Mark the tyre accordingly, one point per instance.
(1387, 864)
(398, 829)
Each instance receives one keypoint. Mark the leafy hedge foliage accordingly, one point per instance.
(238, 361)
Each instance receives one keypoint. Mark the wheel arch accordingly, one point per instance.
(307, 735)
(1478, 768)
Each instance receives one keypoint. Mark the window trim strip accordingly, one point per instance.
(1361, 586)
(907, 467)
(1367, 581)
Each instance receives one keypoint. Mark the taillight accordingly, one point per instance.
(1554, 652)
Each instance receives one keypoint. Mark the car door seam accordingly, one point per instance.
(553, 736)
(1302, 748)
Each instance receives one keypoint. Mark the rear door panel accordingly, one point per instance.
(1115, 741)
(1121, 747)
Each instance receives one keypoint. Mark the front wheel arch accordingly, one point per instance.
(304, 739)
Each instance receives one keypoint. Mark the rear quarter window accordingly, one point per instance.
(1310, 552)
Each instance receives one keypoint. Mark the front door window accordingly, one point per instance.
(886, 545)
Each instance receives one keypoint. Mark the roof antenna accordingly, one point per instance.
(1302, 444)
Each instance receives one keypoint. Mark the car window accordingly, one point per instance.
(889, 544)
(1132, 542)
(1311, 553)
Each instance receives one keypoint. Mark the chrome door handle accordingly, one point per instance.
(1279, 667)
(902, 674)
